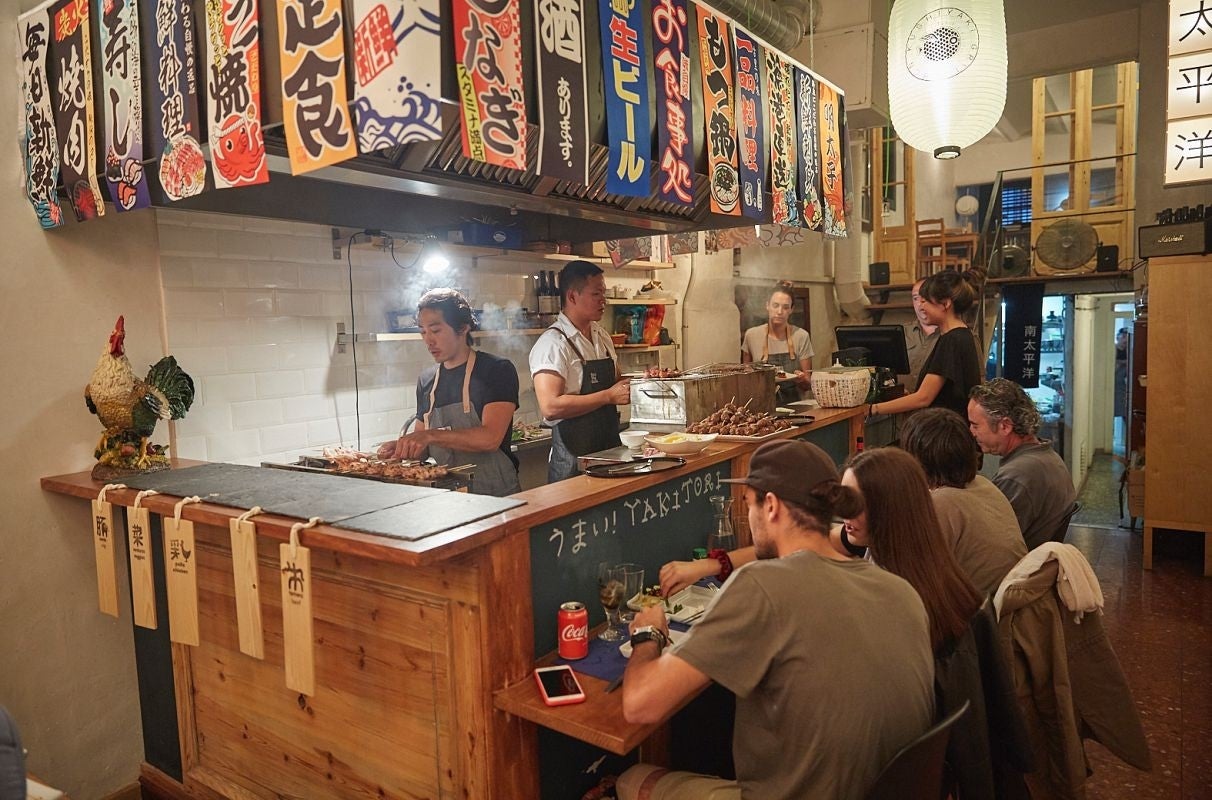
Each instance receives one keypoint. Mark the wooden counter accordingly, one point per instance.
(411, 639)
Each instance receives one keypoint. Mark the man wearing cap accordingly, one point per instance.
(829, 657)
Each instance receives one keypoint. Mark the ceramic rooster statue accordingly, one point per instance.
(129, 408)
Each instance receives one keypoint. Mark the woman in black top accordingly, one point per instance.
(954, 367)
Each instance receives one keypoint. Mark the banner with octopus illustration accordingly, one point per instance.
(75, 125)
(750, 125)
(785, 204)
(831, 161)
(808, 112)
(397, 61)
(175, 132)
(563, 92)
(488, 65)
(715, 56)
(39, 146)
(122, 101)
(675, 160)
(625, 81)
(233, 93)
(315, 106)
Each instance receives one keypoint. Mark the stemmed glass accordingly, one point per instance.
(610, 595)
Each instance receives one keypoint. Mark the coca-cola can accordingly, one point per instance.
(572, 622)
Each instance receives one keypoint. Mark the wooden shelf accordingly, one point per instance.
(408, 249)
(889, 306)
(887, 287)
(639, 301)
(416, 337)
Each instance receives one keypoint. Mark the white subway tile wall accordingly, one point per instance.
(252, 307)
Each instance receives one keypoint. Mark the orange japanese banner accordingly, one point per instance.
(315, 106)
(488, 64)
(715, 49)
(831, 161)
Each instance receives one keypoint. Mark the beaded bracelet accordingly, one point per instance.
(721, 555)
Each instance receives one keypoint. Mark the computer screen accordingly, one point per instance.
(885, 342)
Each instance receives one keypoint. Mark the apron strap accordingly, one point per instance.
(433, 390)
(790, 343)
(572, 344)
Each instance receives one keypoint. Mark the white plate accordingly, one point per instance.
(674, 636)
(693, 600)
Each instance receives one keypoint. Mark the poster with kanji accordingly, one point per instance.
(233, 93)
(1024, 304)
(315, 106)
(715, 56)
(122, 101)
(71, 77)
(397, 62)
(809, 136)
(784, 200)
(563, 96)
(625, 84)
(834, 193)
(672, 62)
(750, 125)
(175, 126)
(488, 65)
(39, 145)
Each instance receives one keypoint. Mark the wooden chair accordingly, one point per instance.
(916, 772)
(933, 254)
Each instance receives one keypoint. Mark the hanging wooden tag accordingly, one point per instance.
(181, 576)
(142, 578)
(103, 546)
(248, 586)
(297, 639)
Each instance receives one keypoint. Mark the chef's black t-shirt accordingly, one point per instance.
(494, 380)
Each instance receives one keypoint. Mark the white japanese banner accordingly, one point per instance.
(1189, 150)
(1190, 26)
(1189, 86)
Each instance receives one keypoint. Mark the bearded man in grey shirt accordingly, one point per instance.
(1004, 421)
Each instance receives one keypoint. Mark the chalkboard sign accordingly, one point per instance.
(833, 439)
(662, 523)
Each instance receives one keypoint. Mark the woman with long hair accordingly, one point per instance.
(780, 343)
(901, 531)
(954, 366)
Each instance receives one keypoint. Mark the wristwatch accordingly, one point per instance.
(649, 633)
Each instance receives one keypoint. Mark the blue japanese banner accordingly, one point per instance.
(785, 204)
(750, 130)
(175, 129)
(807, 92)
(672, 61)
(625, 81)
(123, 104)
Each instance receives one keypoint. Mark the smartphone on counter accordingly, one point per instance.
(559, 685)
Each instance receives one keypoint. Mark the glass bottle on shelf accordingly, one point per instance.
(721, 536)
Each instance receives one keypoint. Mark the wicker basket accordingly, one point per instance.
(841, 387)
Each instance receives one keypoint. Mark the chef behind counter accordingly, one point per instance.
(465, 404)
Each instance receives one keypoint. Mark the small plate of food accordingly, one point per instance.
(684, 606)
(681, 444)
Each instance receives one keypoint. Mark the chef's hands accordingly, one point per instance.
(410, 446)
(654, 616)
(677, 575)
(620, 393)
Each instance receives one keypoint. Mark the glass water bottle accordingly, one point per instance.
(721, 535)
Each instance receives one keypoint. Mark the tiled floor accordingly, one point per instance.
(1160, 623)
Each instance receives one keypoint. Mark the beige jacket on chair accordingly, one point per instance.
(1070, 686)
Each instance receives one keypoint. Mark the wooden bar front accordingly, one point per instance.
(412, 640)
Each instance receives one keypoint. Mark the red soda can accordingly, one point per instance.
(572, 621)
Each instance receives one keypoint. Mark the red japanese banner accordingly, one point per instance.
(831, 161)
(315, 108)
(671, 47)
(715, 56)
(488, 63)
(233, 92)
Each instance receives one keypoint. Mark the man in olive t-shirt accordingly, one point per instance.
(829, 657)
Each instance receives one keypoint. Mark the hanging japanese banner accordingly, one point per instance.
(672, 62)
(785, 206)
(315, 107)
(397, 72)
(563, 100)
(39, 145)
(233, 93)
(749, 125)
(831, 162)
(123, 104)
(72, 79)
(488, 63)
(807, 93)
(625, 84)
(715, 55)
(1024, 304)
(176, 131)
(841, 226)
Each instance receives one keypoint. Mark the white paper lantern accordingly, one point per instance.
(946, 72)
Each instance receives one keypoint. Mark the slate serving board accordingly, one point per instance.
(430, 515)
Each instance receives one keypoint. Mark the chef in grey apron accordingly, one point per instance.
(588, 433)
(788, 362)
(495, 473)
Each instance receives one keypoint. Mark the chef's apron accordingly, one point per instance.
(588, 433)
(495, 474)
(787, 362)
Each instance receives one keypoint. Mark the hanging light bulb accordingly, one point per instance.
(946, 72)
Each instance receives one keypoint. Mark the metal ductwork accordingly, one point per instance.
(781, 25)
